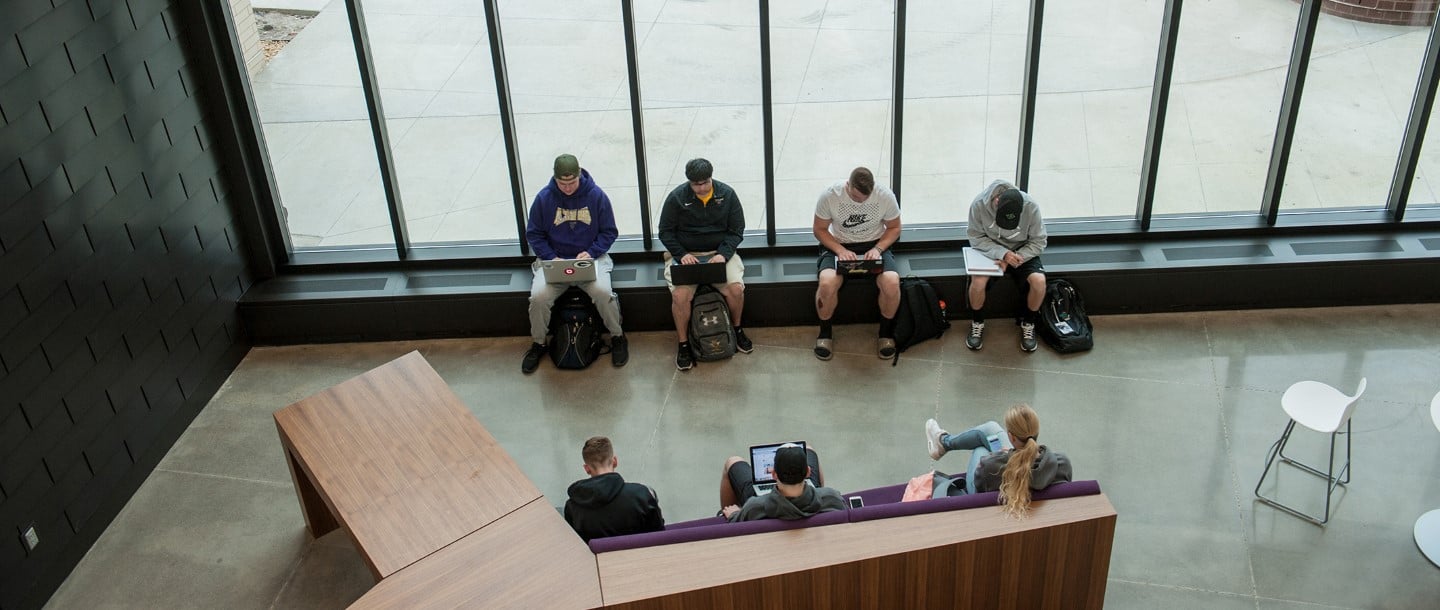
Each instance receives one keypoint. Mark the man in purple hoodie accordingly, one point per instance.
(571, 219)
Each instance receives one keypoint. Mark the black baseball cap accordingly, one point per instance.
(790, 464)
(1007, 214)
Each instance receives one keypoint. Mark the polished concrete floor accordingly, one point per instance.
(1172, 413)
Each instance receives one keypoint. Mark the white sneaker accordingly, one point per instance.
(933, 433)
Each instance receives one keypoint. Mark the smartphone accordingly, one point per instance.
(994, 441)
(856, 501)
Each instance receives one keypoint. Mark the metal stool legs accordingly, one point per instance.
(1331, 480)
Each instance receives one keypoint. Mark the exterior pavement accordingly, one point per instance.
(832, 62)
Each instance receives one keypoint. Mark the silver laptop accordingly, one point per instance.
(565, 271)
(762, 463)
(699, 273)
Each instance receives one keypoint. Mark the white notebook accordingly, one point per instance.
(977, 263)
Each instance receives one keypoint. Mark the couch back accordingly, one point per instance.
(880, 503)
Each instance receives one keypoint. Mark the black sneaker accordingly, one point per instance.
(684, 360)
(619, 351)
(532, 358)
(742, 343)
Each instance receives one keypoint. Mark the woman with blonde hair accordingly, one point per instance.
(1009, 459)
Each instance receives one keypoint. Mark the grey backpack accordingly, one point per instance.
(711, 335)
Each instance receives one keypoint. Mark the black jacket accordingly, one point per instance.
(686, 225)
(605, 505)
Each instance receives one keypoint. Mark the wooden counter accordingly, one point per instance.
(397, 460)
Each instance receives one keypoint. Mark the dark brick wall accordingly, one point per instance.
(120, 267)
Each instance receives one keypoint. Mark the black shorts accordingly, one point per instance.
(1021, 274)
(827, 258)
(742, 476)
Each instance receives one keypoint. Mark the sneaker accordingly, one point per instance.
(619, 351)
(742, 343)
(885, 348)
(976, 340)
(825, 348)
(933, 434)
(532, 358)
(1027, 337)
(684, 360)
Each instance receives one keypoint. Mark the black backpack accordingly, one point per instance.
(712, 337)
(1063, 323)
(575, 331)
(921, 315)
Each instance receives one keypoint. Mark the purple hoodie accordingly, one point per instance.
(563, 226)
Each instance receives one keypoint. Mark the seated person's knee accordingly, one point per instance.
(682, 296)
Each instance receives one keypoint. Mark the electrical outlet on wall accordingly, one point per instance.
(31, 538)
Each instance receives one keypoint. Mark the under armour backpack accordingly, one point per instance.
(712, 337)
(575, 331)
(921, 315)
(1063, 322)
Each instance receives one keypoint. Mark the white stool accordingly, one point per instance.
(1427, 527)
(1324, 409)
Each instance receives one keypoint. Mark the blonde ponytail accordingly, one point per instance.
(1023, 424)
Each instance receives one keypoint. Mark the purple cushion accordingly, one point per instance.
(880, 495)
(901, 509)
(690, 531)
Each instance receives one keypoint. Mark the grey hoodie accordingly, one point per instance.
(1049, 467)
(1027, 239)
(812, 501)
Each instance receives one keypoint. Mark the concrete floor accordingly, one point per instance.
(832, 62)
(1172, 413)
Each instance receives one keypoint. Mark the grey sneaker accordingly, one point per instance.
(885, 348)
(1027, 337)
(976, 339)
(933, 434)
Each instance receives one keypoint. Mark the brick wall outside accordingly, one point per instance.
(1389, 12)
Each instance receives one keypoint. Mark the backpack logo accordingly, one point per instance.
(709, 320)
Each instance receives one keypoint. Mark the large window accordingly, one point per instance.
(835, 114)
(1097, 63)
(1352, 116)
(432, 59)
(1231, 61)
(700, 75)
(702, 88)
(316, 125)
(964, 67)
(570, 89)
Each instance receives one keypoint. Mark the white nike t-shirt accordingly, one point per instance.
(852, 222)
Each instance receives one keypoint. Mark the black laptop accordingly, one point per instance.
(859, 266)
(699, 273)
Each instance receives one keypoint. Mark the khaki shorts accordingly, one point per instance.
(734, 269)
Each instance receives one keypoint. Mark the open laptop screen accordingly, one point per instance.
(762, 460)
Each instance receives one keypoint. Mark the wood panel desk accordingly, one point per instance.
(529, 559)
(396, 459)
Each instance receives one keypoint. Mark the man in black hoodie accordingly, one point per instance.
(604, 504)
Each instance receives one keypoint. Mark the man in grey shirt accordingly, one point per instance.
(799, 489)
(1005, 225)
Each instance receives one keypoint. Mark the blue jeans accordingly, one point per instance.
(973, 440)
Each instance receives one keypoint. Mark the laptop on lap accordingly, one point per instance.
(565, 271)
(762, 464)
(699, 273)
